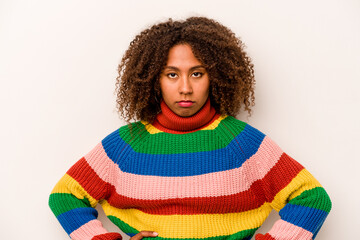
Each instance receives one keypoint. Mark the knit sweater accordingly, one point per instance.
(208, 176)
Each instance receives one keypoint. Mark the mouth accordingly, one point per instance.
(184, 103)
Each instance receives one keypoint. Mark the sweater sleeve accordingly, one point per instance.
(75, 196)
(290, 189)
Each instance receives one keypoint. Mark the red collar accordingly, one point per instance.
(170, 122)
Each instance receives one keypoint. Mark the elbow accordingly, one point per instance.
(327, 202)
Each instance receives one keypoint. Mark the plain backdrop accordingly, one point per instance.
(58, 64)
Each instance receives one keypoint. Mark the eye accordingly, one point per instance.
(171, 75)
(197, 74)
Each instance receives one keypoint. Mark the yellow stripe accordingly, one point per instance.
(69, 185)
(190, 226)
(150, 128)
(302, 182)
(153, 130)
(214, 124)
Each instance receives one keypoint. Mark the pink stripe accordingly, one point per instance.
(151, 187)
(284, 230)
(88, 231)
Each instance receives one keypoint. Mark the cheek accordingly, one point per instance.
(166, 89)
(205, 88)
(162, 87)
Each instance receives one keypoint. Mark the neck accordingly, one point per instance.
(168, 121)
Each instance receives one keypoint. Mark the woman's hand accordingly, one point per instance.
(143, 234)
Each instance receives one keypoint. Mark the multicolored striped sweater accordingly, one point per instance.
(204, 177)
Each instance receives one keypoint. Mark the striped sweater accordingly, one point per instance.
(218, 181)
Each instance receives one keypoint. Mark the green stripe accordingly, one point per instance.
(63, 202)
(132, 231)
(314, 198)
(198, 141)
(126, 228)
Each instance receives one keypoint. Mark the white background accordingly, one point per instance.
(58, 62)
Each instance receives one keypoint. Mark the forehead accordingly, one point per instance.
(181, 55)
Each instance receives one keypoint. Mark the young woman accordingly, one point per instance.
(188, 169)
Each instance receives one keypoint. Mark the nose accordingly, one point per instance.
(185, 86)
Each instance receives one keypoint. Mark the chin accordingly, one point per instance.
(185, 113)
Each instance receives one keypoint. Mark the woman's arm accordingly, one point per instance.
(302, 202)
(75, 196)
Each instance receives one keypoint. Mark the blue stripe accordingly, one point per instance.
(75, 218)
(310, 219)
(114, 146)
(232, 156)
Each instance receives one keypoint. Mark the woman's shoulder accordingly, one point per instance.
(126, 131)
(235, 125)
(116, 142)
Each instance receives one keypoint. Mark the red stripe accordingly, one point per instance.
(96, 187)
(108, 236)
(239, 202)
(264, 237)
(279, 176)
(89, 180)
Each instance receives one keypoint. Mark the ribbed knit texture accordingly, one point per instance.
(168, 121)
(218, 182)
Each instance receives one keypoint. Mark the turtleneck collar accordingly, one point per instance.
(168, 121)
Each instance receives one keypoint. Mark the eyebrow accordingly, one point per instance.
(192, 68)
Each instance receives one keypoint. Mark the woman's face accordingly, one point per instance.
(184, 82)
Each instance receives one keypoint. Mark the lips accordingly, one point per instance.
(185, 103)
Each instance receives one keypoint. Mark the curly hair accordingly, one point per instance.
(230, 70)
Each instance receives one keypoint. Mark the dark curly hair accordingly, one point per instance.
(230, 69)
